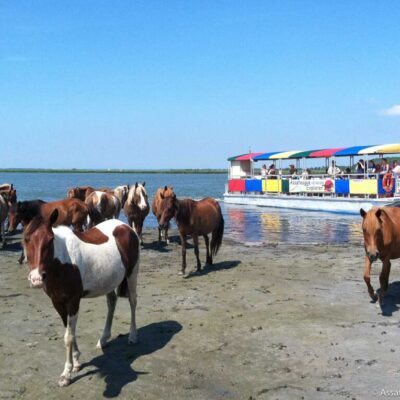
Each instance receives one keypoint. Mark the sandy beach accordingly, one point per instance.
(270, 322)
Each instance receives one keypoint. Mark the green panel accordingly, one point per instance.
(285, 185)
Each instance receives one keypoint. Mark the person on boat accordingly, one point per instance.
(371, 167)
(306, 174)
(292, 169)
(264, 170)
(360, 167)
(385, 167)
(396, 168)
(333, 169)
(272, 171)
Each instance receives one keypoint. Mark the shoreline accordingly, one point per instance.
(286, 321)
(198, 171)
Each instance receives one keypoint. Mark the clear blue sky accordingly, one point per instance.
(171, 84)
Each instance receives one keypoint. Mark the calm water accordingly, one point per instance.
(254, 225)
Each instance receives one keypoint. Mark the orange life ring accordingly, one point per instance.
(387, 182)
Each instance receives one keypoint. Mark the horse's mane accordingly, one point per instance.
(185, 209)
(33, 225)
(28, 210)
(132, 191)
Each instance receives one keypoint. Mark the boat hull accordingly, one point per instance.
(347, 205)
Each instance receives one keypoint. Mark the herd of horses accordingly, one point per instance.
(78, 248)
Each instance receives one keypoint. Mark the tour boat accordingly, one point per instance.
(344, 191)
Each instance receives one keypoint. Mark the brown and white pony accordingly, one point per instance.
(137, 208)
(195, 218)
(70, 266)
(121, 193)
(102, 206)
(161, 194)
(381, 230)
(3, 216)
(9, 193)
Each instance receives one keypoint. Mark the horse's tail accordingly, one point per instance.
(123, 290)
(217, 235)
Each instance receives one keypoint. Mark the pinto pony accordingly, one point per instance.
(3, 216)
(71, 265)
(137, 207)
(161, 194)
(195, 218)
(102, 206)
(381, 230)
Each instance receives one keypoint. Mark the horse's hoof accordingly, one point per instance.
(133, 340)
(102, 343)
(77, 367)
(64, 381)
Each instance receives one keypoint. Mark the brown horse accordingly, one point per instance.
(381, 230)
(102, 206)
(70, 266)
(137, 208)
(161, 194)
(80, 192)
(195, 218)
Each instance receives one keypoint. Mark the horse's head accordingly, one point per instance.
(140, 195)
(38, 242)
(72, 193)
(167, 191)
(121, 192)
(14, 218)
(168, 209)
(372, 226)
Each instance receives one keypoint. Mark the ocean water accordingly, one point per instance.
(245, 224)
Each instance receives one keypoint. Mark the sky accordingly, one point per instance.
(187, 84)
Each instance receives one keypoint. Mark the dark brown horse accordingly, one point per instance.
(137, 208)
(161, 194)
(381, 230)
(195, 218)
(80, 192)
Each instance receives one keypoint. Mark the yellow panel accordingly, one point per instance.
(272, 185)
(363, 186)
(284, 155)
(382, 149)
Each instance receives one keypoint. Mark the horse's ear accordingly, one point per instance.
(165, 187)
(363, 213)
(136, 184)
(379, 214)
(12, 186)
(144, 184)
(53, 217)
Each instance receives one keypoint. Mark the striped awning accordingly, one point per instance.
(393, 148)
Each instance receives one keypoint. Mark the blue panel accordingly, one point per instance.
(266, 156)
(254, 185)
(350, 151)
(380, 187)
(342, 186)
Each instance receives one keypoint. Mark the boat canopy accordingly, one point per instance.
(393, 148)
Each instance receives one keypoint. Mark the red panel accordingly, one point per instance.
(326, 152)
(246, 157)
(237, 185)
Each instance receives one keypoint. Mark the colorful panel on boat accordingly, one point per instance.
(285, 155)
(246, 157)
(326, 152)
(265, 156)
(303, 154)
(237, 185)
(350, 151)
(315, 185)
(363, 186)
(397, 186)
(381, 190)
(272, 185)
(382, 149)
(285, 185)
(253, 185)
(342, 186)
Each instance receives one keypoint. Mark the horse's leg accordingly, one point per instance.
(75, 356)
(159, 234)
(140, 231)
(384, 280)
(3, 236)
(111, 303)
(132, 284)
(367, 279)
(21, 257)
(196, 250)
(183, 244)
(166, 234)
(209, 257)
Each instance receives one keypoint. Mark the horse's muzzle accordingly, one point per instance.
(373, 256)
(35, 279)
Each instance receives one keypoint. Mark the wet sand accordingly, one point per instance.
(271, 322)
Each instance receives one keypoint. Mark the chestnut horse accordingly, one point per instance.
(71, 265)
(161, 194)
(70, 212)
(195, 218)
(137, 207)
(80, 192)
(381, 230)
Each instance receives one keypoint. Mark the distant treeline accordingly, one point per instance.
(117, 171)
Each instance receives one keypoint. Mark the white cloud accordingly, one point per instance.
(392, 111)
